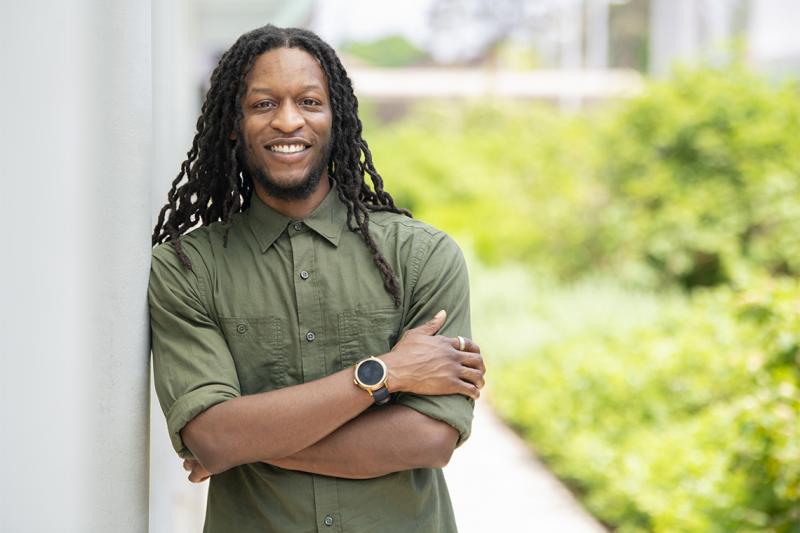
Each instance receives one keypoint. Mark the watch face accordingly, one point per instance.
(370, 372)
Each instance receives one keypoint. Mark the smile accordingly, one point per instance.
(287, 148)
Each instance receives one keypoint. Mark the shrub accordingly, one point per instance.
(691, 423)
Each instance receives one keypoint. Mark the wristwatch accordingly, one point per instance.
(371, 374)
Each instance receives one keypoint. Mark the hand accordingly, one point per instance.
(197, 473)
(425, 363)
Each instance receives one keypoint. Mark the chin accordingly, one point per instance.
(297, 189)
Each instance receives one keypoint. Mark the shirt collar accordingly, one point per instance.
(328, 219)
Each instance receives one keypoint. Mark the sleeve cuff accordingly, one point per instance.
(453, 409)
(189, 406)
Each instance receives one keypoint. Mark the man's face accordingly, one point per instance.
(285, 136)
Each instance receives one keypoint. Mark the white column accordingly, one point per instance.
(75, 209)
(570, 33)
(673, 33)
(773, 37)
(176, 505)
(597, 34)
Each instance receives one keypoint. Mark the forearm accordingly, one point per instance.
(273, 424)
(281, 423)
(376, 443)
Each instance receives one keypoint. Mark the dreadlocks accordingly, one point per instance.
(211, 186)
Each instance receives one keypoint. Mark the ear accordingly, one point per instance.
(232, 136)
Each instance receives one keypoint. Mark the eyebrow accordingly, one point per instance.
(267, 90)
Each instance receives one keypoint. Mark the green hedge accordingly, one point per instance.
(691, 183)
(706, 169)
(690, 423)
(667, 411)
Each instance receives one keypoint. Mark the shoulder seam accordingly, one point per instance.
(416, 261)
(408, 223)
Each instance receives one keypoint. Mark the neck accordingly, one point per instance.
(295, 209)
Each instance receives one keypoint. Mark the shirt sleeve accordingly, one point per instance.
(192, 365)
(442, 282)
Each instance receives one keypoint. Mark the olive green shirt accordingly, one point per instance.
(288, 302)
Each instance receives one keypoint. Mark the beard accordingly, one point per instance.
(298, 191)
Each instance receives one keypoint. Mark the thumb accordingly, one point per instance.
(433, 325)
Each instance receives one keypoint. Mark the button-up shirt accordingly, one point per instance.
(288, 302)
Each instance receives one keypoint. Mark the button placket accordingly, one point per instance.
(309, 310)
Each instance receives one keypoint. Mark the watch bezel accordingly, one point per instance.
(370, 388)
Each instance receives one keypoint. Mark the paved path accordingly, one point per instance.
(497, 485)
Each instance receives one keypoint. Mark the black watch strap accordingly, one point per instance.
(381, 396)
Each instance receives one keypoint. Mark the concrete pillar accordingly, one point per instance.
(75, 207)
(674, 33)
(597, 34)
(176, 505)
(570, 38)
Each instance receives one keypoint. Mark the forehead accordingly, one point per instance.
(286, 69)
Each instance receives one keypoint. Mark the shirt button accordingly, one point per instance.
(310, 336)
(329, 520)
(241, 328)
(304, 274)
(298, 226)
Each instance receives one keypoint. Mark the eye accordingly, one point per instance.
(309, 102)
(264, 104)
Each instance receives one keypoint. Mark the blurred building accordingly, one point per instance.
(765, 30)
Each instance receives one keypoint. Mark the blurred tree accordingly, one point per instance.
(391, 51)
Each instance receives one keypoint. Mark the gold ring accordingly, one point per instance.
(461, 343)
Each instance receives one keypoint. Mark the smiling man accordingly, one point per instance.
(310, 339)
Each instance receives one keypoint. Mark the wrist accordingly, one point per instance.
(394, 382)
(371, 375)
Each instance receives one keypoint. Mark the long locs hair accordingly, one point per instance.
(211, 185)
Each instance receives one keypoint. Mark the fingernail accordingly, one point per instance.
(440, 314)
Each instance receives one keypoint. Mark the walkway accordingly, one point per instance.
(497, 485)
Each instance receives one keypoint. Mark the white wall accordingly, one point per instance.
(75, 209)
(176, 505)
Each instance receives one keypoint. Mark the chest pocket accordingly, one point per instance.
(364, 332)
(259, 350)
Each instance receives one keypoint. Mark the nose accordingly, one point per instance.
(287, 118)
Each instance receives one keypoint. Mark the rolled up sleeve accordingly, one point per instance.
(192, 365)
(441, 281)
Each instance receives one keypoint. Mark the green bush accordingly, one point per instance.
(515, 180)
(690, 423)
(707, 170)
(692, 182)
(666, 411)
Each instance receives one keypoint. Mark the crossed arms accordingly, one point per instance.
(322, 426)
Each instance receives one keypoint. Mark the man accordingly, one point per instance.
(294, 333)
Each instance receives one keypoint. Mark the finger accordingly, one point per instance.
(472, 360)
(473, 376)
(466, 389)
(198, 474)
(433, 325)
(469, 345)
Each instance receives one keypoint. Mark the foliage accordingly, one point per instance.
(689, 423)
(708, 176)
(391, 51)
(500, 176)
(690, 183)
(669, 396)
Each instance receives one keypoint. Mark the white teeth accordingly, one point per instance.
(287, 148)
